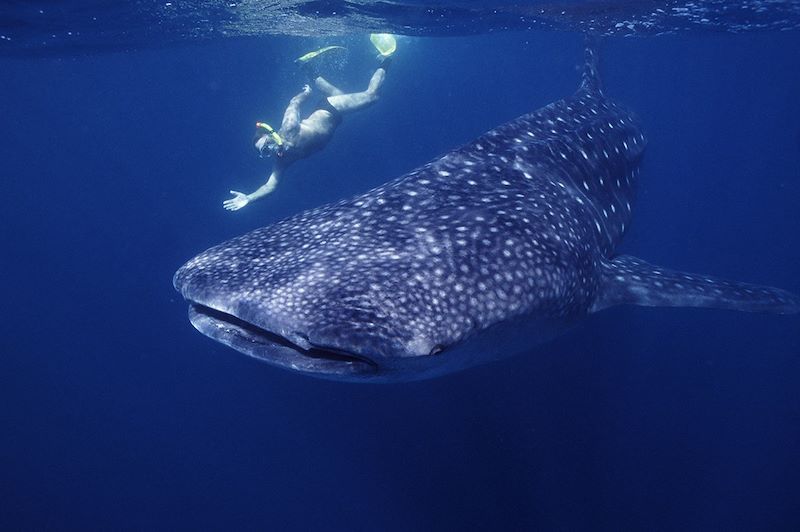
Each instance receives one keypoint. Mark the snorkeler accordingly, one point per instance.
(297, 139)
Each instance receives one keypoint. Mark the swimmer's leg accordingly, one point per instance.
(327, 87)
(291, 117)
(347, 103)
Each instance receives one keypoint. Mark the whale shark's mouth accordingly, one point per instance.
(275, 349)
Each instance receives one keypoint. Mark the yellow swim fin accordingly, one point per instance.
(385, 43)
(311, 55)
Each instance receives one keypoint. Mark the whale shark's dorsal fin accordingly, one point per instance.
(628, 280)
(590, 77)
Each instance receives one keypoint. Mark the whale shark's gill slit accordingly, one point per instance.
(257, 335)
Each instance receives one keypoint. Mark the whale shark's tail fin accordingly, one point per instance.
(590, 77)
(628, 280)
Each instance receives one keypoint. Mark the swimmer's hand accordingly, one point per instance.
(238, 201)
(306, 89)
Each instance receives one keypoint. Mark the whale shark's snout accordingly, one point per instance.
(297, 324)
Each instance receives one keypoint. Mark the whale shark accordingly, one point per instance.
(481, 254)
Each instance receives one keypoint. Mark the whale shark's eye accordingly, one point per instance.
(436, 350)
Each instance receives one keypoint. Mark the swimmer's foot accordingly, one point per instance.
(384, 61)
(309, 69)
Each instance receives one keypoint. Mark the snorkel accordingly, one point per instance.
(276, 143)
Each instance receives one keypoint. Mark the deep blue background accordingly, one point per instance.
(117, 414)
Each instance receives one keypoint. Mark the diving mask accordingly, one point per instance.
(272, 141)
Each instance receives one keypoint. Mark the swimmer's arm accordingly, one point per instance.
(240, 199)
(266, 188)
(291, 118)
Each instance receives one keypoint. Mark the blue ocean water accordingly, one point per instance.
(118, 415)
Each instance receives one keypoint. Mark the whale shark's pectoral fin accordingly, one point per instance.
(628, 280)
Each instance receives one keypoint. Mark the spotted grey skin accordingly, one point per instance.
(509, 236)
